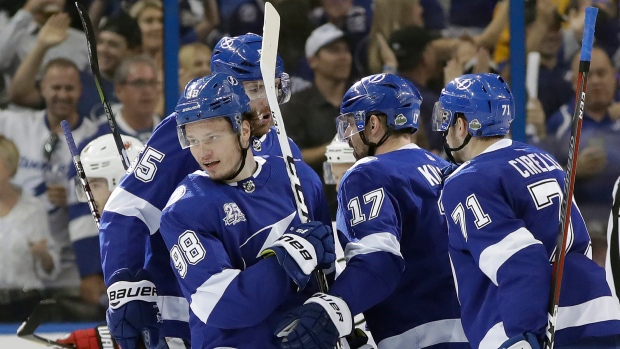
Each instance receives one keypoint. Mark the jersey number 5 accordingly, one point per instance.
(376, 197)
(189, 250)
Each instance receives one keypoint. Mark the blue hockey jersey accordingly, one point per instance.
(396, 246)
(215, 232)
(502, 209)
(129, 233)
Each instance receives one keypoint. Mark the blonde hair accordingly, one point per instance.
(188, 51)
(136, 9)
(388, 16)
(10, 154)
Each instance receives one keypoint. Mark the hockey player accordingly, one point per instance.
(224, 224)
(393, 233)
(103, 171)
(129, 233)
(103, 168)
(339, 159)
(502, 208)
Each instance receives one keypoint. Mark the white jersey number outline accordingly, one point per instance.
(192, 252)
(376, 197)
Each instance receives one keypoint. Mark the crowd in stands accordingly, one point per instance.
(326, 46)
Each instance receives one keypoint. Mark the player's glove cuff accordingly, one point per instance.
(296, 255)
(337, 309)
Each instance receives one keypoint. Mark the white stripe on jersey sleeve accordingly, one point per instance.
(494, 337)
(494, 256)
(82, 227)
(426, 335)
(600, 309)
(173, 308)
(209, 293)
(379, 242)
(129, 205)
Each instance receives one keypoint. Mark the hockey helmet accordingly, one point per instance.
(213, 96)
(337, 153)
(484, 99)
(239, 57)
(101, 160)
(386, 94)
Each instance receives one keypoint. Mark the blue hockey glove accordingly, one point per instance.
(303, 249)
(133, 314)
(317, 324)
(522, 341)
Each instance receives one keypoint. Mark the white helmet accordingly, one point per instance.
(100, 158)
(337, 152)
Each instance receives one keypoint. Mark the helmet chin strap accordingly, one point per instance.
(449, 150)
(244, 153)
(372, 147)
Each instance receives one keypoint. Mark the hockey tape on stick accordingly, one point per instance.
(39, 314)
(89, 31)
(569, 179)
(80, 171)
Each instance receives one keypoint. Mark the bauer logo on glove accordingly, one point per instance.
(123, 292)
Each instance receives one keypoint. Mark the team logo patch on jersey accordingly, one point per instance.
(249, 186)
(400, 120)
(233, 214)
(257, 145)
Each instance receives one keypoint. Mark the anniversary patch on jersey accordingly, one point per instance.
(233, 214)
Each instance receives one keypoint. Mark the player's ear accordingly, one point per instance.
(246, 130)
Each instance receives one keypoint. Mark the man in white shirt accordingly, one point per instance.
(44, 163)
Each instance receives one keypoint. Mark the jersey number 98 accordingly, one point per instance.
(189, 250)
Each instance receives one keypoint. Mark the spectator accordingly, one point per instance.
(29, 255)
(150, 16)
(389, 16)
(234, 18)
(19, 36)
(119, 37)
(469, 17)
(136, 86)
(417, 62)
(598, 163)
(309, 115)
(44, 164)
(353, 17)
(194, 62)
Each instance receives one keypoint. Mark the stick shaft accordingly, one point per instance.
(569, 179)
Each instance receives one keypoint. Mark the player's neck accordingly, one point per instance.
(248, 169)
(477, 146)
(392, 144)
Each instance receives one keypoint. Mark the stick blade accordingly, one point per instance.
(269, 48)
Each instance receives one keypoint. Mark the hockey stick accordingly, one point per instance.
(569, 179)
(39, 314)
(94, 66)
(269, 52)
(75, 156)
